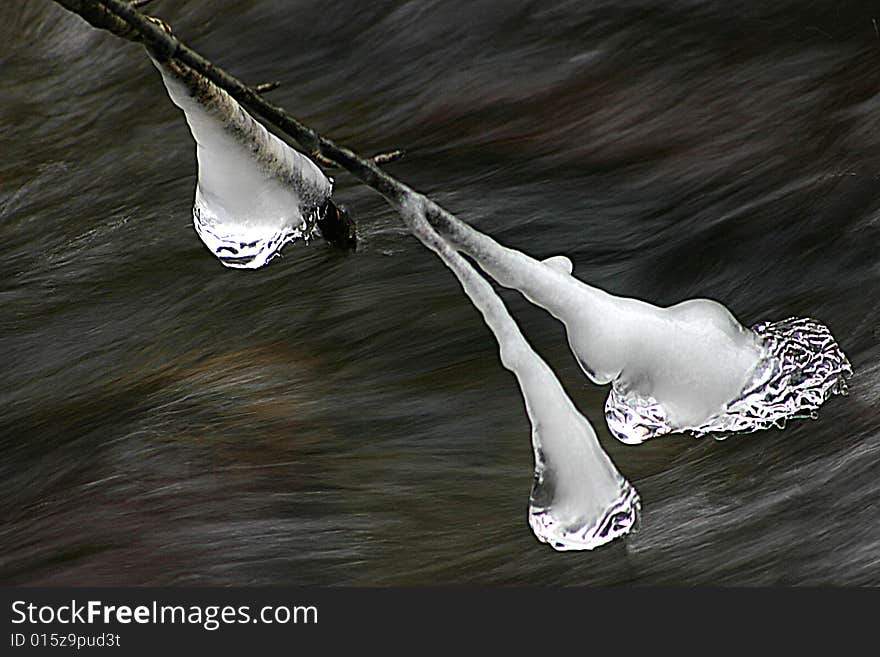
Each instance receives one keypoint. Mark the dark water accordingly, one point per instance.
(343, 418)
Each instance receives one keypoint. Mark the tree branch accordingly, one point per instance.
(97, 15)
(125, 21)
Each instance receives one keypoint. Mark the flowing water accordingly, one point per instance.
(343, 418)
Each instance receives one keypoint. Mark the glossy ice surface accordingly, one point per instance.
(254, 192)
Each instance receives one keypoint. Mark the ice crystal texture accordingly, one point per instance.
(801, 367)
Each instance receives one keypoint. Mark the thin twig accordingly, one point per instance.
(379, 158)
(323, 160)
(265, 87)
(389, 156)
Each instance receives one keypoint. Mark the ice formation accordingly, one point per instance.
(689, 367)
(254, 193)
(579, 500)
(802, 367)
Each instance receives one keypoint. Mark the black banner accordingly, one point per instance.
(144, 621)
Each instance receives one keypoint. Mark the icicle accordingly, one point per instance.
(689, 367)
(254, 193)
(579, 500)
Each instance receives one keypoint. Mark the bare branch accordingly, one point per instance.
(97, 15)
(379, 158)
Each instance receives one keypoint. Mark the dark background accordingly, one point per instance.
(343, 418)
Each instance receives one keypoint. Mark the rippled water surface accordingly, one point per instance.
(342, 418)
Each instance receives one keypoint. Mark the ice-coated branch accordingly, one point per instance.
(125, 21)
(254, 192)
(689, 367)
(379, 158)
(579, 500)
(691, 358)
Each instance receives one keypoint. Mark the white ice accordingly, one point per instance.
(579, 500)
(689, 367)
(692, 358)
(254, 193)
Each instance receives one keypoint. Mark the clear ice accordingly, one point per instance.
(802, 367)
(691, 367)
(579, 500)
(254, 192)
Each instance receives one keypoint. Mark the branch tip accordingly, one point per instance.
(323, 160)
(265, 87)
(388, 156)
